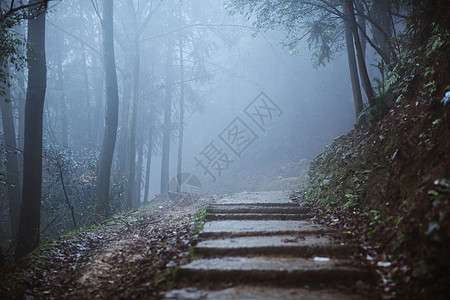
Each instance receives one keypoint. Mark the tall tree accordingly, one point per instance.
(360, 55)
(133, 108)
(149, 160)
(138, 175)
(28, 234)
(317, 19)
(111, 112)
(87, 94)
(357, 97)
(181, 120)
(12, 165)
(167, 125)
(60, 89)
(139, 21)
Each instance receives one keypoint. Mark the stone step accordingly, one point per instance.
(279, 245)
(235, 228)
(255, 216)
(266, 209)
(253, 246)
(260, 293)
(269, 198)
(279, 271)
(257, 204)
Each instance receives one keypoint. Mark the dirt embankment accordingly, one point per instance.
(390, 183)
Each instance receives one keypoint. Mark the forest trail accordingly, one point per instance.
(129, 256)
(263, 246)
(258, 245)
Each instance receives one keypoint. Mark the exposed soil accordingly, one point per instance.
(390, 186)
(131, 256)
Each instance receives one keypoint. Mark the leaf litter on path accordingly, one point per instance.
(129, 257)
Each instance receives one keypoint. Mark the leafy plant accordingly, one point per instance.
(371, 115)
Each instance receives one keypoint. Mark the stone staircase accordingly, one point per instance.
(263, 246)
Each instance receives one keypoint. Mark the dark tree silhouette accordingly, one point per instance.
(28, 235)
(111, 113)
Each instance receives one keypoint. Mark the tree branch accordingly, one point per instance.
(74, 36)
(195, 25)
(12, 10)
(72, 211)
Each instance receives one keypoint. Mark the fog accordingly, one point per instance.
(227, 65)
(254, 112)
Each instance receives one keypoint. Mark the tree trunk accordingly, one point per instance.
(132, 113)
(21, 102)
(167, 126)
(28, 235)
(138, 180)
(99, 99)
(111, 112)
(66, 196)
(382, 34)
(181, 124)
(21, 108)
(356, 88)
(361, 60)
(21, 114)
(121, 156)
(12, 165)
(149, 159)
(61, 93)
(362, 26)
(87, 96)
(2, 258)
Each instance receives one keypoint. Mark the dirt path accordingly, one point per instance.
(253, 246)
(130, 257)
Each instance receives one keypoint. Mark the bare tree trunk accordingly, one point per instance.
(132, 114)
(111, 112)
(361, 59)
(21, 128)
(149, 160)
(21, 103)
(167, 126)
(181, 124)
(28, 235)
(138, 180)
(2, 258)
(98, 110)
(121, 156)
(21, 108)
(61, 93)
(87, 96)
(362, 26)
(12, 165)
(356, 88)
(382, 34)
(71, 208)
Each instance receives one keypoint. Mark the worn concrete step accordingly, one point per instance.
(235, 228)
(280, 271)
(269, 198)
(243, 292)
(252, 208)
(255, 216)
(227, 203)
(279, 245)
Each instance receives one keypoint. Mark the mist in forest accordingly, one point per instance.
(201, 93)
(226, 64)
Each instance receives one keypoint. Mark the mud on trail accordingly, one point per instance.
(128, 257)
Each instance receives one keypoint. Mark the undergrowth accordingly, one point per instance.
(394, 172)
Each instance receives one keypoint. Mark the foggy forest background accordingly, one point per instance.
(185, 71)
